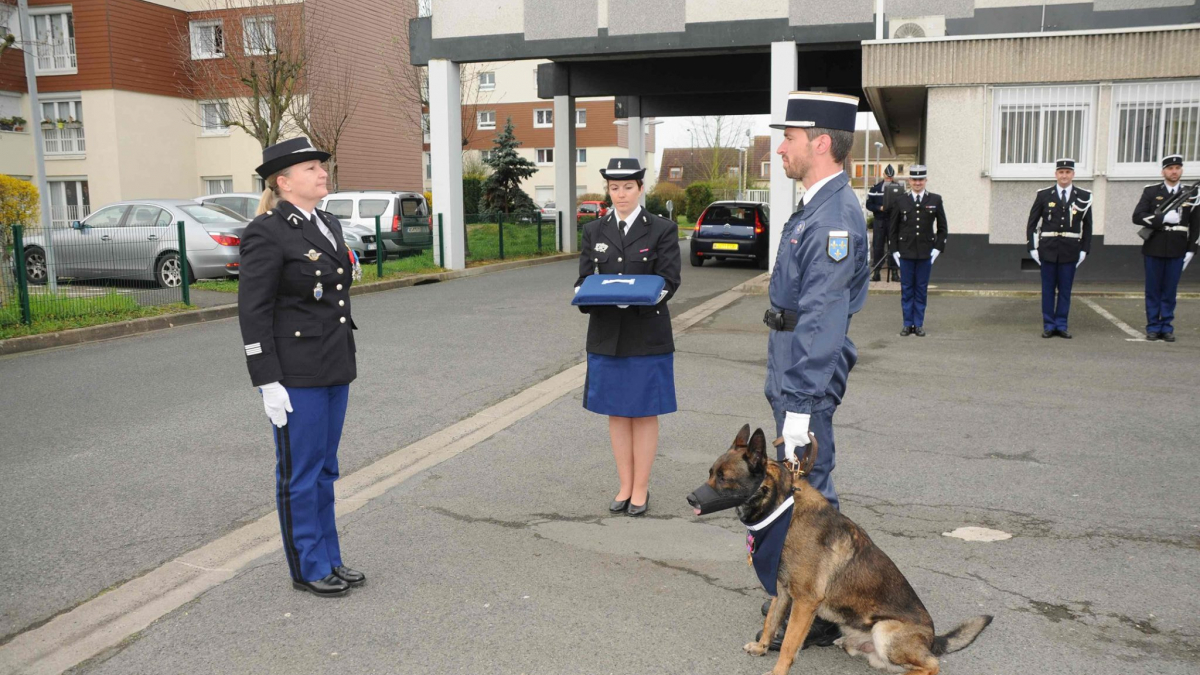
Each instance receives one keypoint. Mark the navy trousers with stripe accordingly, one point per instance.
(1162, 284)
(306, 467)
(1057, 279)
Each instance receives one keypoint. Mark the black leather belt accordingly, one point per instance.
(780, 319)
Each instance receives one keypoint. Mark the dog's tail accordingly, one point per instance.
(961, 637)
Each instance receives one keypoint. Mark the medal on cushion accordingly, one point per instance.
(318, 291)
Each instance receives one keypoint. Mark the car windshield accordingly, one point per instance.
(731, 215)
(212, 214)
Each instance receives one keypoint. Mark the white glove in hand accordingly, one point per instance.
(1172, 217)
(276, 402)
(1187, 258)
(795, 434)
(1082, 257)
(933, 256)
(577, 290)
(896, 257)
(661, 296)
(1037, 259)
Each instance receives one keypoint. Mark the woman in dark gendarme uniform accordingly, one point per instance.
(630, 350)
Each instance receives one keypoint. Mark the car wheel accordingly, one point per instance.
(168, 273)
(696, 260)
(36, 271)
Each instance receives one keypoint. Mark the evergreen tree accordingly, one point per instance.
(502, 191)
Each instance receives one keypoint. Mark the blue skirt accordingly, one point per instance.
(630, 386)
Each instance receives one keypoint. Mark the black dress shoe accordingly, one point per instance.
(1151, 337)
(875, 277)
(822, 634)
(1048, 333)
(618, 506)
(636, 510)
(329, 587)
(1167, 337)
(919, 331)
(352, 577)
(906, 331)
(1064, 334)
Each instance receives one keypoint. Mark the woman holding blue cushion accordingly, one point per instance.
(631, 374)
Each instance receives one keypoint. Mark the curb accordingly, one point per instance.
(121, 329)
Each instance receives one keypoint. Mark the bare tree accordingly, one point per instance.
(325, 113)
(8, 17)
(253, 59)
(408, 85)
(720, 133)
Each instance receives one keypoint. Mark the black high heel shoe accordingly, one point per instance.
(618, 506)
(636, 510)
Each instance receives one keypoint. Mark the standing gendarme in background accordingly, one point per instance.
(1170, 235)
(918, 231)
(1059, 235)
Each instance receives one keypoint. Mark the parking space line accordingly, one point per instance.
(109, 619)
(1129, 330)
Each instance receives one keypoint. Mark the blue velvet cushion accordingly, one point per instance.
(619, 289)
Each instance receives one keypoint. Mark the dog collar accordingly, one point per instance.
(787, 504)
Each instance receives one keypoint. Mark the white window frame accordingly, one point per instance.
(68, 142)
(487, 80)
(580, 118)
(226, 181)
(766, 170)
(1157, 95)
(259, 184)
(671, 173)
(62, 213)
(194, 28)
(483, 125)
(544, 156)
(425, 127)
(205, 129)
(257, 22)
(66, 54)
(1040, 99)
(580, 156)
(543, 118)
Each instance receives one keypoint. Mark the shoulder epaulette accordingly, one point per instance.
(1048, 188)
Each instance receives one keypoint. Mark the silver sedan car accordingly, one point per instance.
(139, 240)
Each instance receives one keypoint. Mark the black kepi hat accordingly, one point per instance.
(623, 168)
(889, 171)
(819, 109)
(1064, 163)
(287, 153)
(1172, 160)
(918, 171)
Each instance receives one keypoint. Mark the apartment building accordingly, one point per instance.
(494, 92)
(123, 119)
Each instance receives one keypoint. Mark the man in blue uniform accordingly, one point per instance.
(1170, 244)
(877, 205)
(1059, 234)
(819, 281)
(918, 232)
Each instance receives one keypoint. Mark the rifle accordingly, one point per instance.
(1177, 202)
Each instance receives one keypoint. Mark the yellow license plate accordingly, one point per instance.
(725, 247)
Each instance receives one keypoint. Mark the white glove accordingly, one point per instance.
(1082, 257)
(576, 290)
(1037, 259)
(933, 257)
(896, 257)
(795, 434)
(276, 402)
(1172, 217)
(622, 306)
(1187, 258)
(662, 295)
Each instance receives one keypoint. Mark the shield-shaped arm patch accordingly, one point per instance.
(839, 245)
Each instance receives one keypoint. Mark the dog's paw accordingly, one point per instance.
(755, 648)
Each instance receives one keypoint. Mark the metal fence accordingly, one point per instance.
(85, 275)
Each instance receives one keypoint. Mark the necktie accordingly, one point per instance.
(1062, 194)
(918, 201)
(621, 224)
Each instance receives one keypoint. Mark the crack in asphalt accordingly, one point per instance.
(748, 591)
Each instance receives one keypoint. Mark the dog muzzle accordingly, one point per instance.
(706, 500)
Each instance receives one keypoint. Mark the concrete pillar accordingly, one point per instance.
(565, 171)
(637, 142)
(783, 189)
(445, 158)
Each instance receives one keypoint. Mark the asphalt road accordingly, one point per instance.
(504, 560)
(123, 454)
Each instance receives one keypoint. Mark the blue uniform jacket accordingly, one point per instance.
(821, 273)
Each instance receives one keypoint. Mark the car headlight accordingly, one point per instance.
(349, 238)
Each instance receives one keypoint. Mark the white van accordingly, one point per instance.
(404, 220)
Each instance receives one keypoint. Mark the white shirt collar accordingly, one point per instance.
(1169, 188)
(812, 191)
(1060, 188)
(919, 195)
(632, 217)
(307, 214)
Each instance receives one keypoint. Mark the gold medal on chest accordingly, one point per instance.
(1052, 205)
(312, 254)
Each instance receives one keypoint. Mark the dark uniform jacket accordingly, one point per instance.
(651, 247)
(1168, 240)
(914, 232)
(875, 203)
(1050, 216)
(291, 336)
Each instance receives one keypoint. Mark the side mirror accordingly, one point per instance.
(76, 225)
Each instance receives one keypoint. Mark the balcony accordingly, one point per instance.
(56, 56)
(67, 140)
(63, 216)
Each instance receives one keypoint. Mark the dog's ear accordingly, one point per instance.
(743, 437)
(810, 455)
(756, 457)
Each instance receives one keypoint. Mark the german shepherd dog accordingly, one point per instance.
(829, 567)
